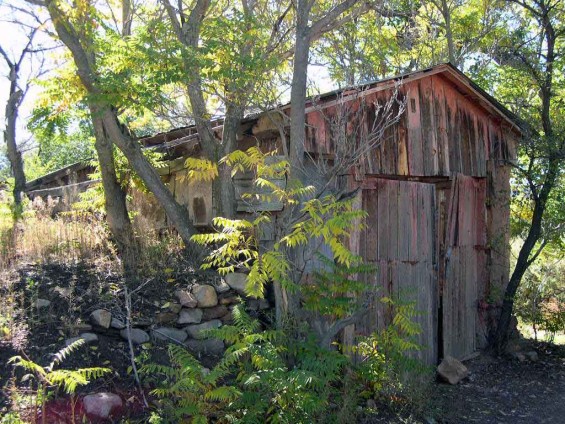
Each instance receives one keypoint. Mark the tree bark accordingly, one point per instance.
(525, 258)
(187, 30)
(14, 154)
(448, 32)
(298, 89)
(115, 200)
(177, 213)
(288, 304)
(127, 17)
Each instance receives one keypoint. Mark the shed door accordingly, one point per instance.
(400, 238)
(464, 268)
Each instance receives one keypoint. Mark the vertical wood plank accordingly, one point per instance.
(429, 143)
(415, 151)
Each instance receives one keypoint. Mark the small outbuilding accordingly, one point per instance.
(436, 189)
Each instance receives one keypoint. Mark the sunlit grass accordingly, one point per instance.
(527, 332)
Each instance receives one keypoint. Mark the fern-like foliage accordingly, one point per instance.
(336, 290)
(388, 363)
(48, 377)
(263, 377)
(235, 243)
(201, 169)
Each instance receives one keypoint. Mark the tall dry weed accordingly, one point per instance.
(40, 235)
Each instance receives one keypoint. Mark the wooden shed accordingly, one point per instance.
(436, 190)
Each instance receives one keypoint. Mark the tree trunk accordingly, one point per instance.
(448, 32)
(298, 90)
(115, 201)
(542, 15)
(177, 213)
(226, 204)
(85, 62)
(127, 17)
(14, 155)
(525, 258)
(288, 304)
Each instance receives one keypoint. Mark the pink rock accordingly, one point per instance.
(102, 405)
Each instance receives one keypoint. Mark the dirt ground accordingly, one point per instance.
(498, 390)
(506, 390)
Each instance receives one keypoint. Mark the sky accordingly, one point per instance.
(13, 39)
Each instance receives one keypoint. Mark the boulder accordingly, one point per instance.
(101, 318)
(186, 299)
(118, 324)
(165, 317)
(169, 334)
(237, 281)
(87, 337)
(190, 316)
(138, 336)
(175, 307)
(264, 304)
(257, 304)
(519, 356)
(451, 370)
(227, 318)
(42, 303)
(102, 406)
(215, 312)
(81, 327)
(514, 346)
(221, 286)
(142, 322)
(214, 347)
(229, 300)
(205, 295)
(194, 331)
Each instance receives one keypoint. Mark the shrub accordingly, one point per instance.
(263, 377)
(540, 300)
(388, 368)
(45, 381)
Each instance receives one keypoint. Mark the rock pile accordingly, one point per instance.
(185, 319)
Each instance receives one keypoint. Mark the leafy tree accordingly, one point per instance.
(105, 55)
(63, 140)
(532, 60)
(540, 299)
(403, 36)
(227, 51)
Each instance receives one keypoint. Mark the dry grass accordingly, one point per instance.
(45, 235)
(37, 236)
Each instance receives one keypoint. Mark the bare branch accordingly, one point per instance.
(6, 58)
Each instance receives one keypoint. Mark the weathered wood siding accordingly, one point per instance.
(441, 132)
(465, 260)
(498, 236)
(399, 238)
